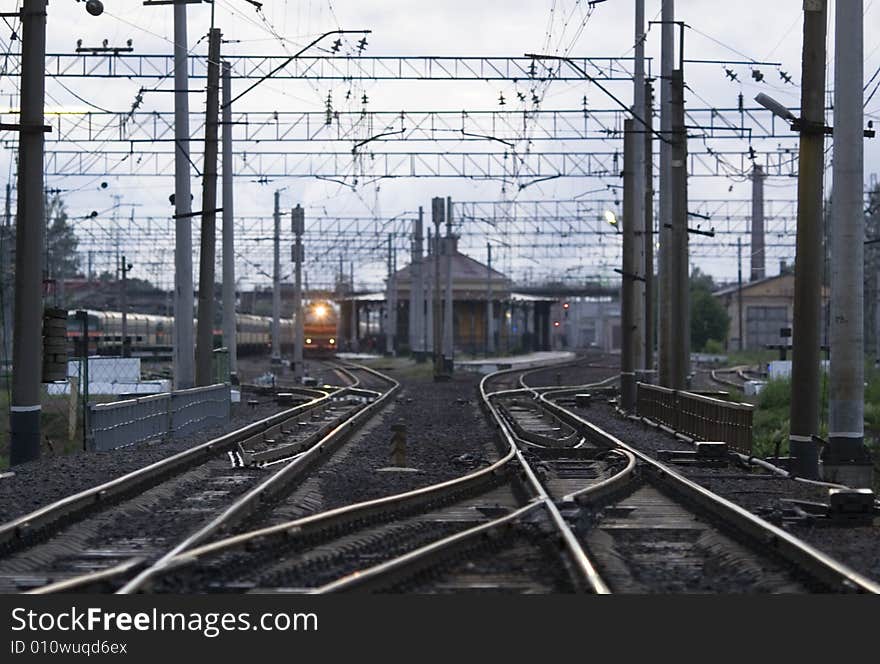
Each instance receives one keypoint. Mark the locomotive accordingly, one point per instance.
(152, 336)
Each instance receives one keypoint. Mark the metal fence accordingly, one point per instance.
(700, 417)
(167, 415)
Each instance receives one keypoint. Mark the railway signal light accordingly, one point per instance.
(297, 220)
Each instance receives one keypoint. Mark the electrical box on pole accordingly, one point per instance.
(54, 345)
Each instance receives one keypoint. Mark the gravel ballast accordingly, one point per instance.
(48, 479)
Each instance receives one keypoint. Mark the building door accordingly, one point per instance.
(763, 325)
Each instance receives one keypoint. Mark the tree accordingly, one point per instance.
(709, 320)
(62, 260)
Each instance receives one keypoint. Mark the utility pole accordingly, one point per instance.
(490, 331)
(429, 295)
(629, 330)
(5, 274)
(297, 218)
(124, 267)
(354, 322)
(846, 454)
(649, 227)
(804, 414)
(638, 191)
(757, 249)
(229, 339)
(184, 369)
(679, 325)
(739, 290)
(25, 408)
(448, 322)
(438, 213)
(205, 329)
(416, 294)
(389, 298)
(276, 284)
(664, 287)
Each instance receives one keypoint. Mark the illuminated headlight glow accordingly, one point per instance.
(308, 340)
(320, 311)
(332, 341)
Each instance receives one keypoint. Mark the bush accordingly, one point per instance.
(714, 347)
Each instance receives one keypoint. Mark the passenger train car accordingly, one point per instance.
(152, 336)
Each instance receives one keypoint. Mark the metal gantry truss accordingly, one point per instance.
(573, 233)
(335, 68)
(507, 165)
(362, 127)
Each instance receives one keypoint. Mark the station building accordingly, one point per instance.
(522, 321)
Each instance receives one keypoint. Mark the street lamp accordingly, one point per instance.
(798, 124)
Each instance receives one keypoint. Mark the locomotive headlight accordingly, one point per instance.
(320, 311)
(332, 341)
(308, 340)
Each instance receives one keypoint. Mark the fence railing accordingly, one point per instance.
(166, 415)
(700, 417)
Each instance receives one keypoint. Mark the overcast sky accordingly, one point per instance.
(743, 31)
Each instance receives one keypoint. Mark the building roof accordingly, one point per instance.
(749, 285)
(464, 269)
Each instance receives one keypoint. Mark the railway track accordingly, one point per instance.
(566, 507)
(113, 530)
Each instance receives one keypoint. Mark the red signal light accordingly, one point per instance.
(565, 305)
(556, 323)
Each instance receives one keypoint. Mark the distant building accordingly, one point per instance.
(522, 321)
(767, 307)
(587, 322)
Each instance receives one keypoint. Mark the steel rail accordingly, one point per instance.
(75, 506)
(411, 561)
(337, 516)
(823, 567)
(267, 489)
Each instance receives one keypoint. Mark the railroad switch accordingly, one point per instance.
(398, 444)
(583, 399)
(253, 403)
(707, 453)
(845, 507)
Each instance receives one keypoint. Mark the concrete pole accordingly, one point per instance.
(123, 305)
(490, 327)
(297, 217)
(804, 414)
(207, 255)
(276, 283)
(739, 292)
(438, 212)
(649, 229)
(417, 295)
(25, 408)
(667, 56)
(229, 339)
(448, 315)
(5, 274)
(184, 343)
(354, 321)
(679, 291)
(757, 249)
(389, 300)
(429, 294)
(638, 189)
(847, 371)
(629, 330)
(395, 302)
